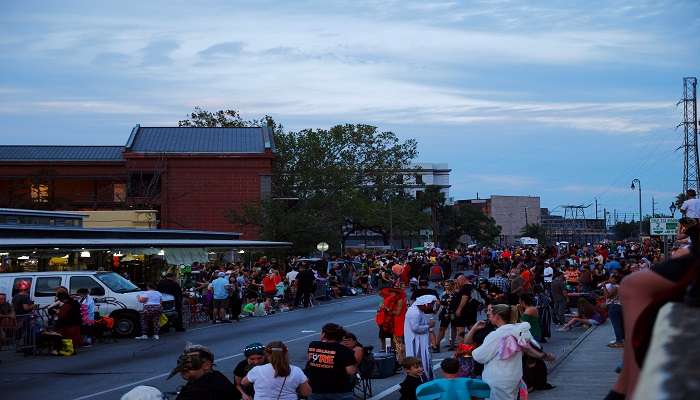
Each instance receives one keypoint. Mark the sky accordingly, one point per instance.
(564, 100)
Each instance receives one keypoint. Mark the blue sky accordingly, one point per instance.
(566, 100)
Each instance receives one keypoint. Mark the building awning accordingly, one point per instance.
(110, 243)
(186, 256)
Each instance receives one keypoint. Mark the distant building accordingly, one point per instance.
(191, 177)
(511, 213)
(574, 230)
(419, 177)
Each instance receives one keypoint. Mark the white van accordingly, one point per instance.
(114, 295)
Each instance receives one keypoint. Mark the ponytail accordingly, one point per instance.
(278, 356)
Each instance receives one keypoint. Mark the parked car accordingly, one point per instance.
(114, 295)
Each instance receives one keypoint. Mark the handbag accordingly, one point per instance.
(163, 320)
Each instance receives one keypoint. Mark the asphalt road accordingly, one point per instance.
(106, 371)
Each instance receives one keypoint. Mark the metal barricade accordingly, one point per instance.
(321, 289)
(26, 333)
(8, 331)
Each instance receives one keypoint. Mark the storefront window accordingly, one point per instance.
(117, 283)
(40, 193)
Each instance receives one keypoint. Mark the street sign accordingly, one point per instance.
(663, 226)
(323, 246)
(428, 245)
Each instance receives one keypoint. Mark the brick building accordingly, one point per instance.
(191, 176)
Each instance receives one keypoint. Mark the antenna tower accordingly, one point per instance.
(691, 173)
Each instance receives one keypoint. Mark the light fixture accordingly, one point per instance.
(23, 258)
(161, 252)
(241, 251)
(4, 254)
(84, 254)
(55, 248)
(118, 253)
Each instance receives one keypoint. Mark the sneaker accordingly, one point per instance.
(142, 337)
(156, 337)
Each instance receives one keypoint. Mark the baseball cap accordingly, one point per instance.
(254, 348)
(191, 359)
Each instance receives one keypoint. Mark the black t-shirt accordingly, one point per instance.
(478, 338)
(6, 309)
(471, 309)
(325, 367)
(18, 301)
(241, 371)
(423, 291)
(211, 386)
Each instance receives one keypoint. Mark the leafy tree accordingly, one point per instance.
(341, 180)
(680, 198)
(536, 231)
(466, 220)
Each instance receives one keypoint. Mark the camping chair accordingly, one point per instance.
(363, 377)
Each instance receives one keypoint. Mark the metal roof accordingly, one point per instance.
(101, 243)
(60, 153)
(200, 140)
(41, 213)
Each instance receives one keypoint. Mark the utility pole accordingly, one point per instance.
(596, 208)
(691, 171)
(526, 216)
(653, 207)
(605, 218)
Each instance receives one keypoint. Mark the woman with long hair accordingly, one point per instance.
(278, 379)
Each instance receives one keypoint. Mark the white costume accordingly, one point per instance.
(416, 331)
(502, 375)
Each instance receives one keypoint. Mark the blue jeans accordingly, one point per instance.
(615, 315)
(332, 396)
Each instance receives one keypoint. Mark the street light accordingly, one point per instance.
(639, 186)
(672, 208)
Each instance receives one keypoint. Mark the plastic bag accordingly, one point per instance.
(67, 348)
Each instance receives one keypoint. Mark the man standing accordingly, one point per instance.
(417, 326)
(305, 285)
(548, 276)
(220, 287)
(169, 285)
(559, 298)
(691, 207)
(330, 366)
(467, 307)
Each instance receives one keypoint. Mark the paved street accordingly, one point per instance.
(106, 371)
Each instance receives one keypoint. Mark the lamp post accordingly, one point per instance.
(639, 186)
(672, 208)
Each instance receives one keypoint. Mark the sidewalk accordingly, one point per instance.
(587, 372)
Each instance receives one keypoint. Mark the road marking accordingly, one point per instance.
(366, 311)
(163, 375)
(305, 331)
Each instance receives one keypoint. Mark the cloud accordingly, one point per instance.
(79, 107)
(111, 59)
(225, 49)
(158, 52)
(512, 181)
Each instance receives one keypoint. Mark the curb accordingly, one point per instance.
(571, 349)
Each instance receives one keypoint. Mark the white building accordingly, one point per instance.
(419, 176)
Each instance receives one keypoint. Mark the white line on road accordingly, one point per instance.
(305, 331)
(163, 375)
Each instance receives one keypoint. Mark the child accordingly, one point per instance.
(466, 363)
(414, 378)
(450, 368)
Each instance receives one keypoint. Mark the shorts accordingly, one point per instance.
(459, 322)
(220, 303)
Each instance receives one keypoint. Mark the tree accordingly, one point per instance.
(466, 220)
(343, 180)
(680, 198)
(536, 231)
(626, 230)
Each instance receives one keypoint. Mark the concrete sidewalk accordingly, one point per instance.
(587, 372)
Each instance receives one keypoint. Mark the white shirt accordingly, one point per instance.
(267, 386)
(691, 208)
(292, 275)
(153, 298)
(548, 274)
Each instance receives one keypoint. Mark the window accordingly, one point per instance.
(419, 179)
(16, 283)
(119, 192)
(265, 186)
(40, 193)
(117, 283)
(85, 282)
(46, 286)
